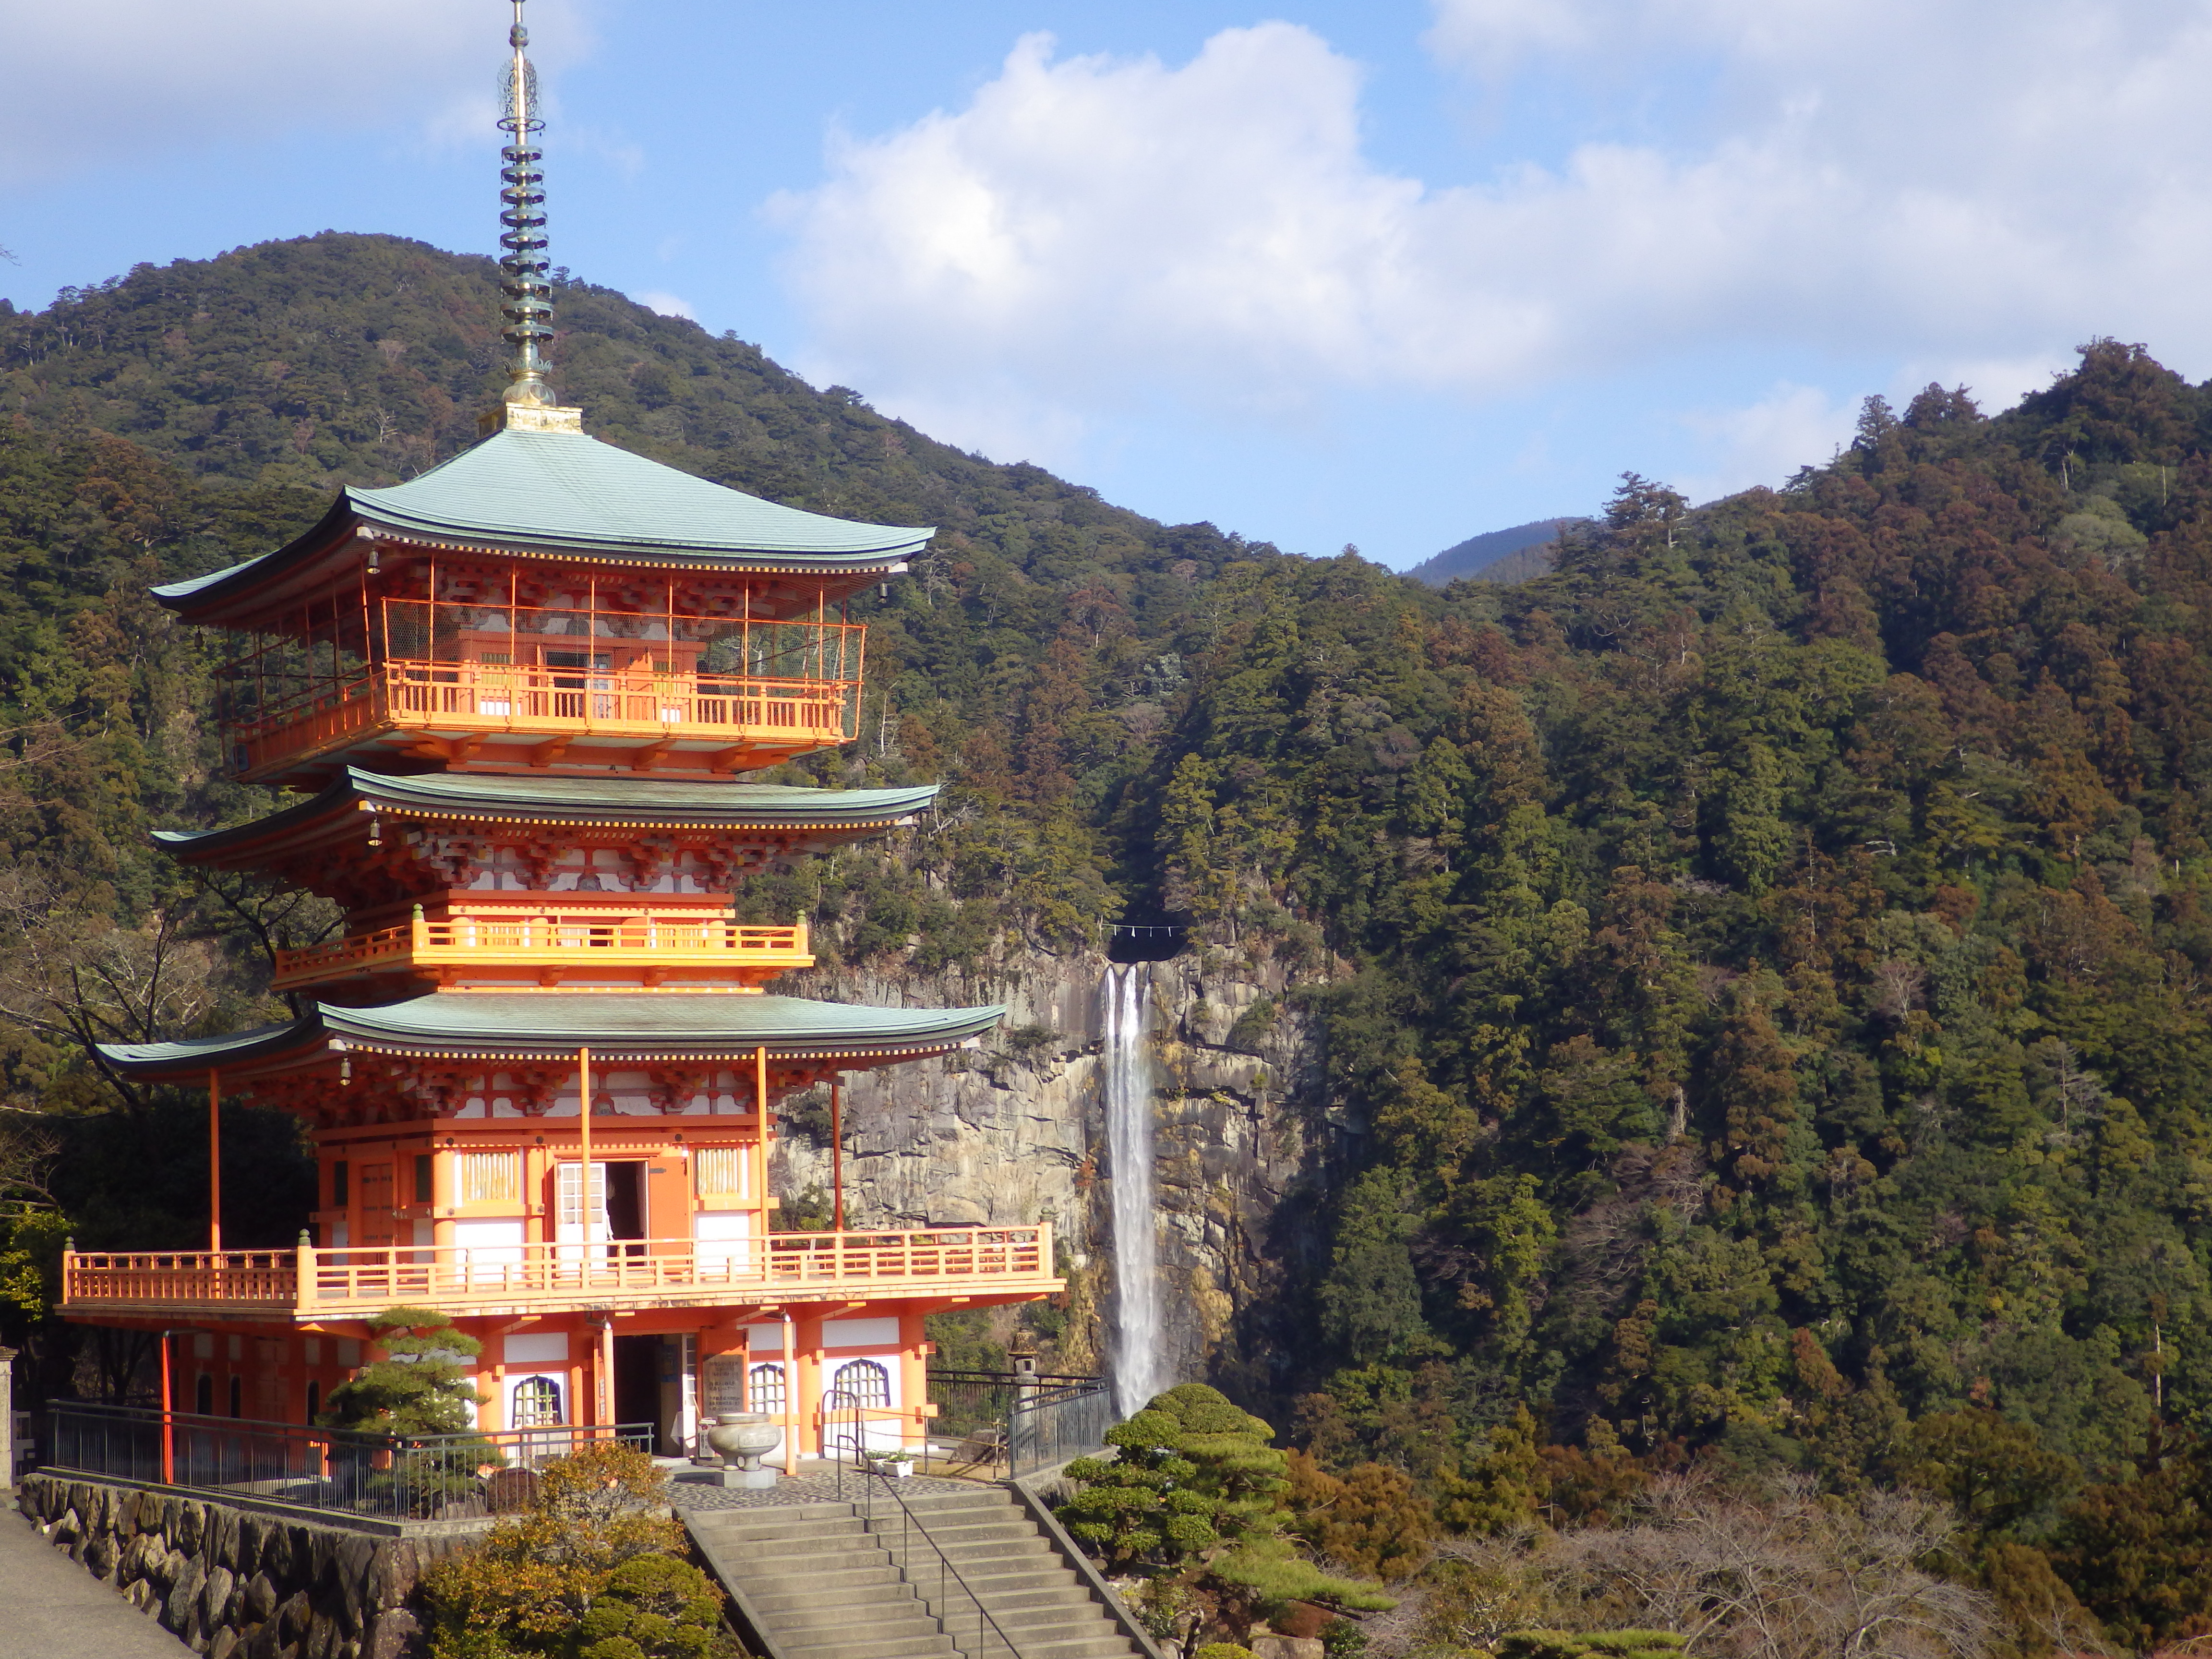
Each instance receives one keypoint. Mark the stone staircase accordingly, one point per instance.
(824, 1586)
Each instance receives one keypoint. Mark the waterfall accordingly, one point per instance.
(1140, 1367)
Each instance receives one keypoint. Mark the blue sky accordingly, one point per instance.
(1390, 274)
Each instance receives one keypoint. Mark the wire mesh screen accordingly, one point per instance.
(1057, 1422)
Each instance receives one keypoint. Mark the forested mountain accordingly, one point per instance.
(1497, 555)
(1761, 963)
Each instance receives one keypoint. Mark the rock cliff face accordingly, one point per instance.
(1015, 1132)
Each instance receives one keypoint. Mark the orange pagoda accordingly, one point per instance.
(518, 694)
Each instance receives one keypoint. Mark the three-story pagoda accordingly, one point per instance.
(519, 693)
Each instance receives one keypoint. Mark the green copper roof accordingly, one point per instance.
(568, 488)
(636, 1025)
(568, 492)
(491, 797)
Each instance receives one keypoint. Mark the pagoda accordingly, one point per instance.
(518, 694)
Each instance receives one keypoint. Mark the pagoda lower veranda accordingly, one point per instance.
(518, 695)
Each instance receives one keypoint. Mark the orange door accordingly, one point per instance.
(376, 1223)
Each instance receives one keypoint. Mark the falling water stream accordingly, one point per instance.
(1139, 1366)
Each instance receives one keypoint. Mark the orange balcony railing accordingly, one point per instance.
(678, 943)
(307, 1283)
(722, 718)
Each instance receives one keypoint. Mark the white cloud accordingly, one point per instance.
(1793, 425)
(87, 82)
(1886, 179)
(668, 305)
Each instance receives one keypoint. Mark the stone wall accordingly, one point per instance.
(236, 1583)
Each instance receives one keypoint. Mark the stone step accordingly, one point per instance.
(835, 1582)
(968, 1557)
(975, 1496)
(910, 1647)
(777, 1554)
(813, 1610)
(822, 1526)
(948, 1532)
(1004, 1601)
(1106, 1642)
(826, 1510)
(986, 1578)
(903, 1630)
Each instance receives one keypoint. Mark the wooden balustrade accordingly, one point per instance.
(309, 1283)
(664, 940)
(644, 706)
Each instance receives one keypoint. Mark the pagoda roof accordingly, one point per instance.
(638, 1027)
(570, 496)
(801, 815)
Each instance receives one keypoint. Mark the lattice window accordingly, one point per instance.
(859, 1382)
(764, 1388)
(725, 1171)
(536, 1403)
(491, 1178)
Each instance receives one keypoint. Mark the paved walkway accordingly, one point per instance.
(53, 1609)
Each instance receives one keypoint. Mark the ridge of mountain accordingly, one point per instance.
(1510, 554)
(343, 358)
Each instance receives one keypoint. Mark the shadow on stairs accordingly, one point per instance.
(818, 1582)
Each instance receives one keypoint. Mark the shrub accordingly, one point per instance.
(588, 1572)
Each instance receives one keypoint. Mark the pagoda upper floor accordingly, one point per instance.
(545, 602)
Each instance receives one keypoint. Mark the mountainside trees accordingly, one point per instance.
(1761, 963)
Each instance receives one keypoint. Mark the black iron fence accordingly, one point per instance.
(1024, 1423)
(346, 1472)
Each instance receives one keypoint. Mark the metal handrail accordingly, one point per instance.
(909, 1524)
(358, 1471)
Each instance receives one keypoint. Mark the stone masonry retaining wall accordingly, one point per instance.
(236, 1584)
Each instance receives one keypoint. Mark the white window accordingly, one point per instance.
(764, 1390)
(859, 1382)
(536, 1403)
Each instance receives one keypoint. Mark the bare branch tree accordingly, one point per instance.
(1787, 1574)
(76, 980)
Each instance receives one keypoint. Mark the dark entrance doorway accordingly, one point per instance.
(626, 1206)
(637, 1384)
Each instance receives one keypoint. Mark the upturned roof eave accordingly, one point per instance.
(835, 811)
(639, 1027)
(239, 591)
